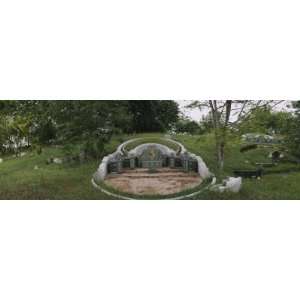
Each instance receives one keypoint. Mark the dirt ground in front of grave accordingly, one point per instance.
(163, 182)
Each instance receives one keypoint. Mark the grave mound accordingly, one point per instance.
(151, 169)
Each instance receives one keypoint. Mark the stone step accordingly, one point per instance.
(154, 175)
(158, 170)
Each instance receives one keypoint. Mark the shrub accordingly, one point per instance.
(71, 152)
(94, 148)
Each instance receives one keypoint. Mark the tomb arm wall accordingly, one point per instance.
(101, 173)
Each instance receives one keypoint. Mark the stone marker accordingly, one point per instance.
(234, 184)
(231, 184)
(185, 162)
(57, 161)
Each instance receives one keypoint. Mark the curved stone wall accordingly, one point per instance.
(137, 151)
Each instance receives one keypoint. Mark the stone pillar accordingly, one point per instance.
(119, 166)
(132, 162)
(185, 162)
(172, 161)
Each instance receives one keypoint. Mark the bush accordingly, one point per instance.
(78, 152)
(39, 150)
(45, 132)
(94, 148)
(187, 126)
(72, 152)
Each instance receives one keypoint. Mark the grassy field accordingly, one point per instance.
(278, 182)
(20, 180)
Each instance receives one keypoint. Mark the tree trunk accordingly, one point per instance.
(221, 155)
(220, 127)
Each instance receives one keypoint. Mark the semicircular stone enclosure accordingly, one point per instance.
(151, 169)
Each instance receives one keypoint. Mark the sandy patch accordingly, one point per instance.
(165, 181)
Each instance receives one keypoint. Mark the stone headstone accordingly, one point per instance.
(151, 158)
(1, 160)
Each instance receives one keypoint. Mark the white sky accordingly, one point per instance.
(196, 114)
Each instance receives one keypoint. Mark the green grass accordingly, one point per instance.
(274, 186)
(205, 147)
(278, 182)
(19, 180)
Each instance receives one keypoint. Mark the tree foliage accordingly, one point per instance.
(264, 120)
(153, 115)
(185, 125)
(293, 131)
(91, 123)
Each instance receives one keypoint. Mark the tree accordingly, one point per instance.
(207, 122)
(152, 115)
(72, 118)
(4, 133)
(293, 131)
(84, 122)
(185, 125)
(13, 133)
(264, 120)
(227, 114)
(41, 127)
(90, 123)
